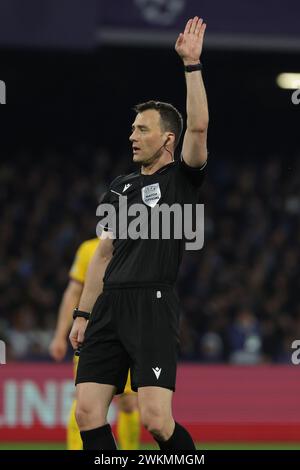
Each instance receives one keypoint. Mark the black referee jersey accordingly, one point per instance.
(151, 261)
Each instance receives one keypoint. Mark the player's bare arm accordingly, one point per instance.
(92, 288)
(189, 47)
(70, 300)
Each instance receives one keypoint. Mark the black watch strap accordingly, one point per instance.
(193, 67)
(80, 313)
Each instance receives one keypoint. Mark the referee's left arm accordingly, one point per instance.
(189, 47)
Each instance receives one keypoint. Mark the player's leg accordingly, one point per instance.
(74, 441)
(154, 373)
(128, 423)
(102, 372)
(155, 404)
(92, 405)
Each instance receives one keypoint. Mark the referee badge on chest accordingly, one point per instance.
(151, 194)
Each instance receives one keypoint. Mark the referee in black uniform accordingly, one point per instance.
(129, 286)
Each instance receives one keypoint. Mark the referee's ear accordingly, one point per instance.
(170, 139)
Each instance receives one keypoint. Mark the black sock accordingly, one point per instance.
(98, 439)
(180, 440)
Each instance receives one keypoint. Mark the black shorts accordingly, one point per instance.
(136, 329)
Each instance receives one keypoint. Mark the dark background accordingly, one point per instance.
(91, 95)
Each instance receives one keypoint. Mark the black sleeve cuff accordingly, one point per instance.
(191, 168)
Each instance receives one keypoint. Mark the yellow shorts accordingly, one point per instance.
(127, 388)
(75, 364)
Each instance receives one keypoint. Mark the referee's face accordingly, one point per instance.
(147, 137)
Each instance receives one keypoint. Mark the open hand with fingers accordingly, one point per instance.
(189, 43)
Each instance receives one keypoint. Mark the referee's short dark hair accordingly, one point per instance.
(170, 117)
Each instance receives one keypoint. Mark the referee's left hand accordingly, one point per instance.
(189, 43)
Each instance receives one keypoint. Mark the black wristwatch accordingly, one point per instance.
(80, 313)
(193, 67)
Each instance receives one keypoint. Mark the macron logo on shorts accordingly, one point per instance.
(157, 372)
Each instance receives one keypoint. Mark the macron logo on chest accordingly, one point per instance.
(126, 187)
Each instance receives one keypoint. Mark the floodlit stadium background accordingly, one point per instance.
(75, 72)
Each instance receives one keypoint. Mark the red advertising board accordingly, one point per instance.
(216, 403)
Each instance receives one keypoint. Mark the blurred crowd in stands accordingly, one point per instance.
(239, 294)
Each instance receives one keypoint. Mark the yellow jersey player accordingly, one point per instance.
(128, 424)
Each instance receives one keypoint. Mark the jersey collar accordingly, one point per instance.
(161, 170)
